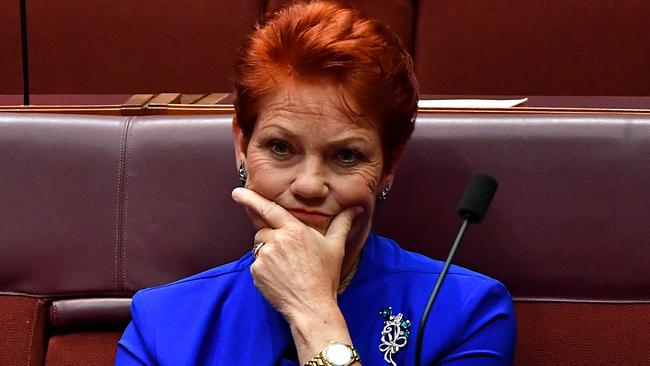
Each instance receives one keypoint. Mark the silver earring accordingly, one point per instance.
(384, 193)
(243, 175)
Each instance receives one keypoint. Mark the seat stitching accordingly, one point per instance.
(125, 205)
(54, 313)
(120, 205)
(32, 333)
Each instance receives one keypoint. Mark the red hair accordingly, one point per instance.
(324, 40)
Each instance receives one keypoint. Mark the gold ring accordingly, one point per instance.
(257, 248)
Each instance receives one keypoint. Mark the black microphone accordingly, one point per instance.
(477, 197)
(475, 202)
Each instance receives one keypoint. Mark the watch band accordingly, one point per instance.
(321, 360)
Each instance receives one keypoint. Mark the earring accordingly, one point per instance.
(384, 193)
(243, 175)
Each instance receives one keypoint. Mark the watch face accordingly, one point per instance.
(338, 354)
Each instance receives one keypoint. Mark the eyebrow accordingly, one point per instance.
(349, 141)
(284, 130)
(346, 140)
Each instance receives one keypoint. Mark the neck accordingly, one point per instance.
(351, 261)
(346, 279)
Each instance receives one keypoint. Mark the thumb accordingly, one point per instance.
(340, 226)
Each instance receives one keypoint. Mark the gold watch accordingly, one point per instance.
(335, 354)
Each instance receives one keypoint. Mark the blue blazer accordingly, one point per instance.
(218, 317)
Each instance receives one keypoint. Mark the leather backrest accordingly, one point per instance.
(567, 221)
(103, 206)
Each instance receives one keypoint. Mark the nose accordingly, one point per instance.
(310, 181)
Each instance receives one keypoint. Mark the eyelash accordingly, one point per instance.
(356, 156)
(273, 146)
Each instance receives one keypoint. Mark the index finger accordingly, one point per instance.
(274, 215)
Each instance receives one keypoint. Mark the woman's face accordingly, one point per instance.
(311, 158)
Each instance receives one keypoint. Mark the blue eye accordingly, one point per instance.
(348, 156)
(279, 148)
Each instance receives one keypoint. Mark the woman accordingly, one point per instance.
(325, 104)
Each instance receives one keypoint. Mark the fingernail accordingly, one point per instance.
(236, 192)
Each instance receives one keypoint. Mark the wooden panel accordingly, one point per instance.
(136, 47)
(10, 50)
(163, 99)
(552, 47)
(213, 98)
(399, 15)
(190, 98)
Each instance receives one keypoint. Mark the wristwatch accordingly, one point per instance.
(335, 354)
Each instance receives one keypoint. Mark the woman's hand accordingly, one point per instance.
(298, 268)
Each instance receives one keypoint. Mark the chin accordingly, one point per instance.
(357, 235)
(319, 228)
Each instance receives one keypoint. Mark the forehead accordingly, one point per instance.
(321, 108)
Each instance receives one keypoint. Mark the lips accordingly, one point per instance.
(309, 213)
(308, 216)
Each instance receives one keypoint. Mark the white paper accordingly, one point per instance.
(470, 103)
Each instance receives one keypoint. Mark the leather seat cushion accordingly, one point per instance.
(22, 328)
(582, 334)
(87, 348)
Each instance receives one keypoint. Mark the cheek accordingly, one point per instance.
(264, 177)
(357, 194)
(359, 190)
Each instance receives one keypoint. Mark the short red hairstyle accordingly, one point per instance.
(325, 40)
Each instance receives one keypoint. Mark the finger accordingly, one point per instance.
(274, 215)
(342, 223)
(263, 238)
(263, 235)
(257, 248)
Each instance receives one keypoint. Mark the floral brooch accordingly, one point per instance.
(395, 334)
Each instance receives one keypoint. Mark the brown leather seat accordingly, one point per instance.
(94, 208)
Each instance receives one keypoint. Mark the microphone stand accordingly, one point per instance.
(436, 289)
(475, 202)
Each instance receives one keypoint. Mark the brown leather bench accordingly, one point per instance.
(96, 207)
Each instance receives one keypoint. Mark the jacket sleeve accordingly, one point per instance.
(137, 345)
(488, 329)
